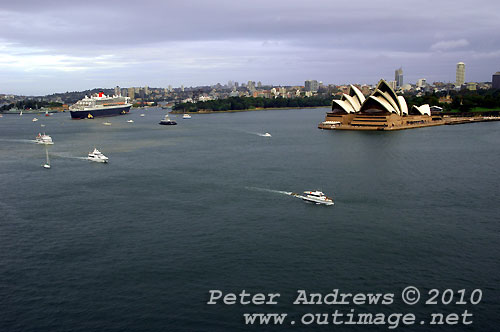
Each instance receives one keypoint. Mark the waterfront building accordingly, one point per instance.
(398, 77)
(460, 75)
(495, 80)
(382, 110)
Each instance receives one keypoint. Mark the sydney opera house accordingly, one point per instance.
(382, 110)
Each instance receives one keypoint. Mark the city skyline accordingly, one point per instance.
(62, 46)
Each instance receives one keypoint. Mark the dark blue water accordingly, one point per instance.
(135, 245)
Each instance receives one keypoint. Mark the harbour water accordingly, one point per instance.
(136, 244)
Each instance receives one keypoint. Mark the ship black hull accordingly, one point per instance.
(100, 112)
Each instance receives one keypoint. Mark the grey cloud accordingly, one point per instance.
(321, 38)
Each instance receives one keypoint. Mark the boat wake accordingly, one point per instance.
(270, 190)
(258, 134)
(66, 155)
(18, 140)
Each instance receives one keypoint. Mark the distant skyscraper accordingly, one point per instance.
(311, 85)
(460, 74)
(131, 93)
(117, 91)
(251, 86)
(495, 80)
(398, 77)
(146, 90)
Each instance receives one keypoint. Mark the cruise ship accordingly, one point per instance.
(99, 105)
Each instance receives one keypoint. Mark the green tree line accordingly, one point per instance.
(243, 103)
(462, 101)
(27, 104)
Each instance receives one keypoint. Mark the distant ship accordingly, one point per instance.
(167, 121)
(99, 105)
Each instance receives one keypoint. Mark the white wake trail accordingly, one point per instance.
(270, 190)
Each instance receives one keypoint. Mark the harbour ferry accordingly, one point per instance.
(99, 105)
(167, 121)
(43, 139)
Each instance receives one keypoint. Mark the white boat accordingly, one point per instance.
(47, 163)
(316, 197)
(42, 125)
(266, 135)
(43, 139)
(130, 121)
(186, 116)
(34, 120)
(97, 156)
(142, 114)
(107, 123)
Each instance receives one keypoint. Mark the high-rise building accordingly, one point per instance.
(251, 86)
(311, 85)
(460, 74)
(495, 80)
(392, 84)
(398, 77)
(131, 93)
(117, 91)
(146, 90)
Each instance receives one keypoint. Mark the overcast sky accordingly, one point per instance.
(49, 46)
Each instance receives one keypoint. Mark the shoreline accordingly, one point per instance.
(248, 110)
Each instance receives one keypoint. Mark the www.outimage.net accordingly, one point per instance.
(352, 316)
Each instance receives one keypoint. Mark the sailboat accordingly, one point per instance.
(47, 163)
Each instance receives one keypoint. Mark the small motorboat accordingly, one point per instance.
(43, 139)
(316, 197)
(266, 135)
(47, 163)
(143, 114)
(186, 116)
(34, 120)
(167, 121)
(130, 121)
(97, 156)
(107, 123)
